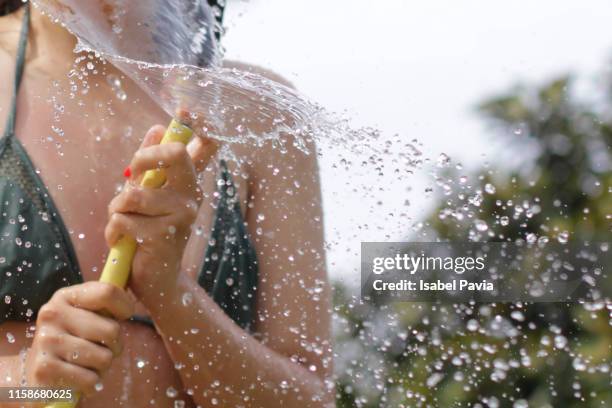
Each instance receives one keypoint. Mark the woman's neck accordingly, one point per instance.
(50, 55)
(51, 45)
(50, 49)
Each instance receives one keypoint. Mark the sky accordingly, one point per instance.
(417, 69)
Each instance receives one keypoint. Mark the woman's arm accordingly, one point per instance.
(289, 363)
(10, 370)
(10, 374)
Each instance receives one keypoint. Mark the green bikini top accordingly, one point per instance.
(36, 253)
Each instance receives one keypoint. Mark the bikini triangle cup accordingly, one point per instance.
(37, 256)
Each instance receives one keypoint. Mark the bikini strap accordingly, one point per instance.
(19, 65)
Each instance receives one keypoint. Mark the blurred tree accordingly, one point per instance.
(499, 355)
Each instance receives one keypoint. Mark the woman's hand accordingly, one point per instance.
(74, 345)
(159, 219)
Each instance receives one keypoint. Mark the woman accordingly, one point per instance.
(229, 273)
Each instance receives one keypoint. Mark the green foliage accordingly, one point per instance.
(505, 355)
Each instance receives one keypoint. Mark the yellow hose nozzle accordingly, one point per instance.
(119, 262)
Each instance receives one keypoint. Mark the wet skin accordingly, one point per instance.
(82, 176)
(101, 135)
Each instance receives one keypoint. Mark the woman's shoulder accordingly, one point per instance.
(259, 70)
(264, 158)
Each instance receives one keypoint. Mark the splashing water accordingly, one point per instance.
(237, 106)
(168, 48)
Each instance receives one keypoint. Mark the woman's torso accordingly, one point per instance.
(79, 143)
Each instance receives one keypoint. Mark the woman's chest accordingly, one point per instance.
(80, 151)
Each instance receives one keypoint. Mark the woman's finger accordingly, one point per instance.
(97, 297)
(202, 150)
(77, 351)
(155, 203)
(56, 372)
(147, 229)
(174, 159)
(120, 225)
(94, 328)
(153, 136)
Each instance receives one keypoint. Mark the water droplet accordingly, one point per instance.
(481, 225)
(113, 81)
(434, 379)
(563, 237)
(171, 392)
(578, 364)
(187, 299)
(560, 342)
(121, 95)
(443, 160)
(472, 325)
(140, 363)
(517, 315)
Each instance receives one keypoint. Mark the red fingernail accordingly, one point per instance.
(127, 173)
